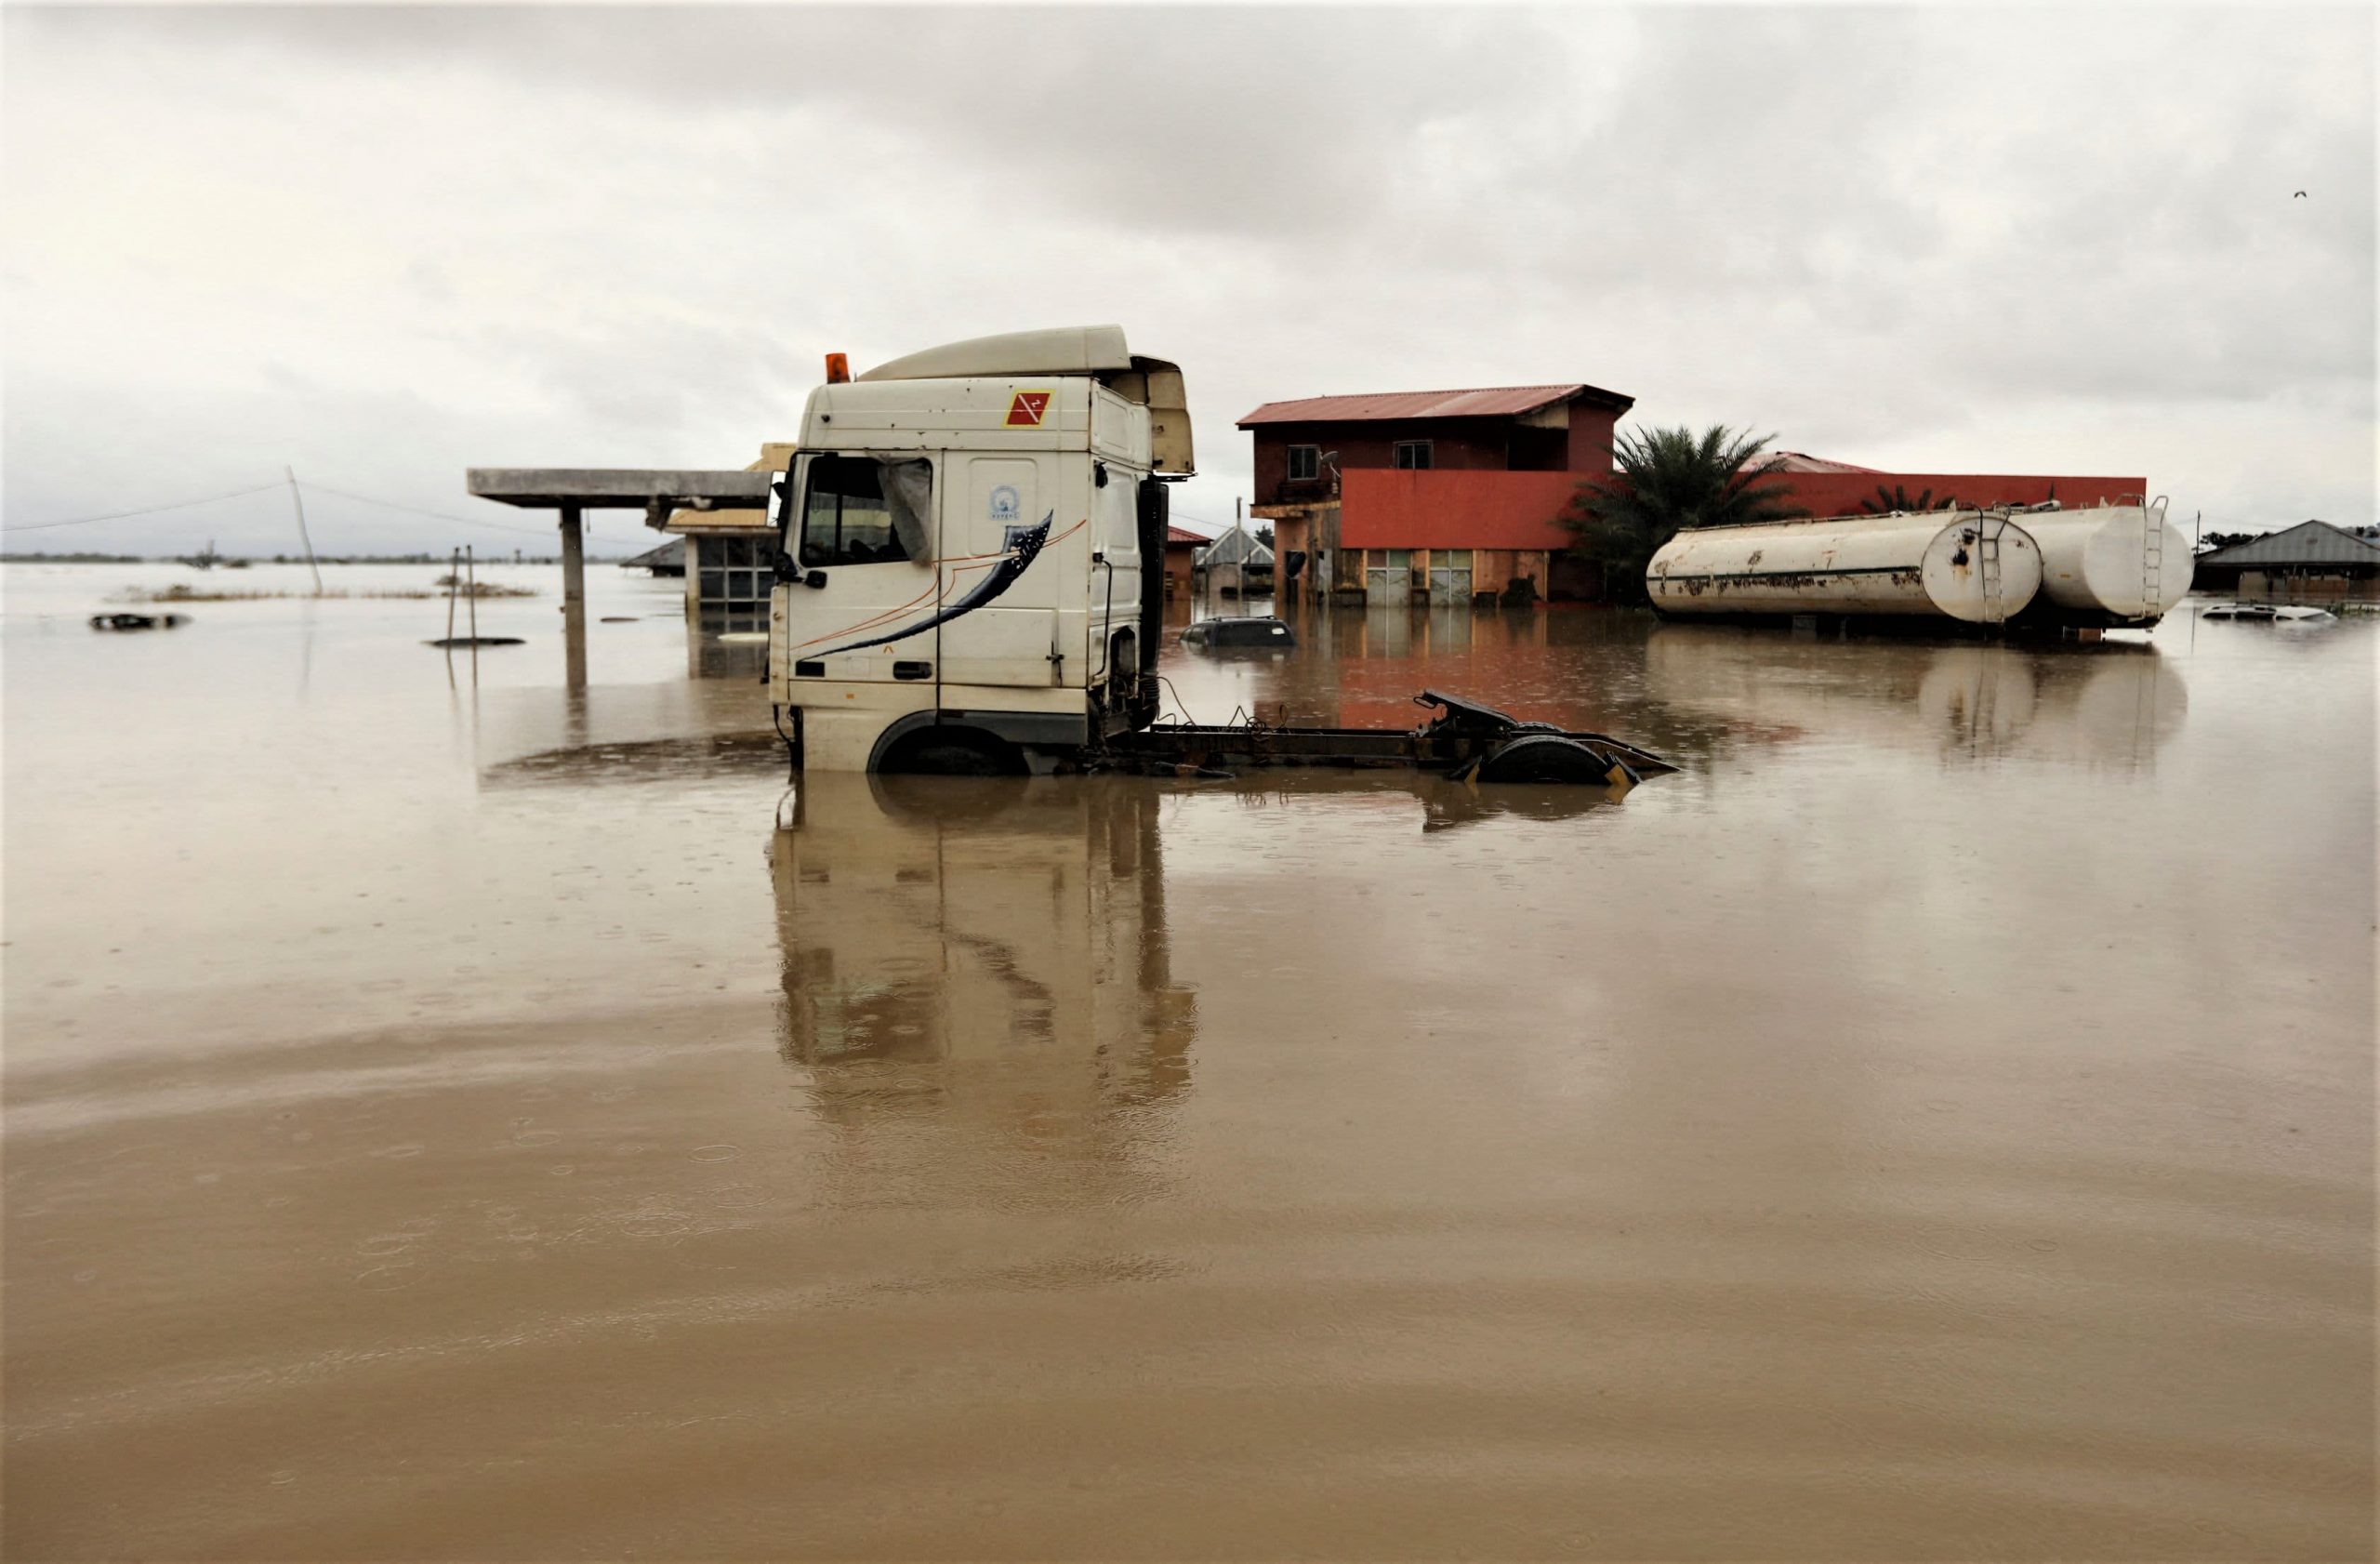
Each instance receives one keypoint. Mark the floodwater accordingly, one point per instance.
(461, 1120)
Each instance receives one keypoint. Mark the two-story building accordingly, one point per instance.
(1444, 495)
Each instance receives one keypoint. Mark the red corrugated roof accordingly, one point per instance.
(1794, 461)
(1490, 402)
(1184, 535)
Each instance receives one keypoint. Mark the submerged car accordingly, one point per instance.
(2268, 612)
(1240, 631)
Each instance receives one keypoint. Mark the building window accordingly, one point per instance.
(1305, 463)
(733, 578)
(1413, 454)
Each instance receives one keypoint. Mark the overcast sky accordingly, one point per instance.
(384, 244)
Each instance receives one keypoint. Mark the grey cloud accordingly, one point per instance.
(456, 235)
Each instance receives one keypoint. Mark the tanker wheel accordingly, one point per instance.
(1545, 757)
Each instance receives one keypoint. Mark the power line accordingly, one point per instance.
(146, 510)
(416, 510)
(262, 488)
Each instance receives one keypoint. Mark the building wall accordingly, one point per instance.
(1840, 494)
(1392, 510)
(2298, 586)
(1469, 444)
(1591, 431)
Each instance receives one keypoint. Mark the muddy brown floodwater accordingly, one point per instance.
(461, 1121)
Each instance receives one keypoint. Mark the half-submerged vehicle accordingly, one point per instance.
(970, 579)
(1240, 633)
(2268, 613)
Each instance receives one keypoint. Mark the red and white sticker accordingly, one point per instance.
(1026, 409)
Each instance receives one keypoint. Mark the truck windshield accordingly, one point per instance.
(860, 510)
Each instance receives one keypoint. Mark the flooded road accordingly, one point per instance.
(474, 1121)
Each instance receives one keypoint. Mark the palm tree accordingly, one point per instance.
(1896, 499)
(1664, 480)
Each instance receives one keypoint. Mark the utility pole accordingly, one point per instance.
(300, 502)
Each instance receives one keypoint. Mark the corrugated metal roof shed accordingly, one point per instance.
(1236, 547)
(1184, 535)
(2306, 544)
(1490, 402)
(668, 560)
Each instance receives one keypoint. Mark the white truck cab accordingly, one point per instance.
(971, 566)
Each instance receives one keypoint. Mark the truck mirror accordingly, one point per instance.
(816, 579)
(782, 564)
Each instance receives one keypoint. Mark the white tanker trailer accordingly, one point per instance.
(1974, 567)
(2110, 565)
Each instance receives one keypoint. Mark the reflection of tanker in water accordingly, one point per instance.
(986, 958)
(2111, 704)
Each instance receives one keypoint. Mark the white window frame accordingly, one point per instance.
(1425, 465)
(1314, 463)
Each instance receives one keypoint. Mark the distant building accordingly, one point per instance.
(1237, 546)
(1181, 547)
(729, 558)
(2311, 562)
(1449, 497)
(668, 560)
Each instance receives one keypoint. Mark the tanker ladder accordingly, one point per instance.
(2152, 558)
(1465, 741)
(1987, 555)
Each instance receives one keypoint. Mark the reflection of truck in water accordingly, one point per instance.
(970, 579)
(988, 953)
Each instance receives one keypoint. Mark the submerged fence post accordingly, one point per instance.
(574, 599)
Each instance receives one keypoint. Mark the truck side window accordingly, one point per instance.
(860, 510)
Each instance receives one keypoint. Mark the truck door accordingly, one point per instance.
(863, 531)
(1010, 639)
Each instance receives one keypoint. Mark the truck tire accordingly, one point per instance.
(954, 752)
(1546, 758)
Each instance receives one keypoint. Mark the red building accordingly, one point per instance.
(1181, 547)
(1447, 496)
(1358, 486)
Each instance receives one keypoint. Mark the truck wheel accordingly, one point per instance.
(945, 752)
(1541, 757)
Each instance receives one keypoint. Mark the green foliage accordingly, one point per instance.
(1896, 499)
(1666, 480)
